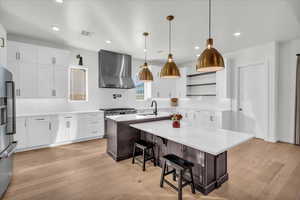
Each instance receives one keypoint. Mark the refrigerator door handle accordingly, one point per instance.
(9, 150)
(13, 106)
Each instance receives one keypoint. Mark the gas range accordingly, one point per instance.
(118, 111)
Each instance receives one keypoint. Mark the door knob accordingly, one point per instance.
(240, 109)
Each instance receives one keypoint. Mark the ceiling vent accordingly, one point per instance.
(86, 33)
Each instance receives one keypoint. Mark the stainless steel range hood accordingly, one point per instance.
(115, 70)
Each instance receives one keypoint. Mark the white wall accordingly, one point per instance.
(267, 55)
(286, 86)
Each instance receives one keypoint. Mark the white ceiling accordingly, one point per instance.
(124, 21)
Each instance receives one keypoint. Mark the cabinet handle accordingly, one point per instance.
(157, 94)
(68, 124)
(16, 55)
(50, 126)
(19, 56)
(40, 119)
(54, 92)
(68, 117)
(2, 45)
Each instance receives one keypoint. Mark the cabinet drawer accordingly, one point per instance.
(96, 115)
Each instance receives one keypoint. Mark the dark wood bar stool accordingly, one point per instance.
(147, 149)
(181, 166)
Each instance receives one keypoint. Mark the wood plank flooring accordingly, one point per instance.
(83, 171)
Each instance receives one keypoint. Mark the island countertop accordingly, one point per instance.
(206, 139)
(138, 116)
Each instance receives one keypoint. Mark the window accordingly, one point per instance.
(142, 89)
(78, 83)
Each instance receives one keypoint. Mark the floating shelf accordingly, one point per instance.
(202, 84)
(201, 74)
(199, 95)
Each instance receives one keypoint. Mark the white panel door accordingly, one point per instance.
(252, 100)
(60, 81)
(21, 133)
(39, 131)
(45, 81)
(28, 79)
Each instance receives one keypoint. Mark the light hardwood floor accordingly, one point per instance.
(83, 171)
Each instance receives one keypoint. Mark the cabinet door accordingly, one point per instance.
(61, 57)
(27, 53)
(60, 81)
(39, 131)
(21, 134)
(45, 81)
(13, 67)
(12, 51)
(45, 56)
(28, 79)
(3, 51)
(71, 124)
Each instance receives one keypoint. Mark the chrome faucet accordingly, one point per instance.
(155, 107)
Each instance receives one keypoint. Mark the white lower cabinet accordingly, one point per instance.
(64, 128)
(43, 131)
(90, 125)
(39, 131)
(21, 133)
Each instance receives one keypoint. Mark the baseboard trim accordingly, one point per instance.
(59, 144)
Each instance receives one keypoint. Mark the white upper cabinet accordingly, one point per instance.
(27, 80)
(3, 47)
(22, 52)
(60, 82)
(39, 72)
(45, 81)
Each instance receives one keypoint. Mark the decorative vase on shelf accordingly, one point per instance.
(176, 120)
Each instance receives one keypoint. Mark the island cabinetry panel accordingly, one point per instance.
(209, 171)
(121, 137)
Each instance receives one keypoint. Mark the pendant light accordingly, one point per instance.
(145, 74)
(210, 60)
(170, 69)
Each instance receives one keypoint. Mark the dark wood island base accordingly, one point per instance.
(210, 171)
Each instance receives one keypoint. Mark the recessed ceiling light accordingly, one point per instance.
(145, 50)
(197, 55)
(55, 28)
(59, 1)
(108, 41)
(237, 34)
(197, 47)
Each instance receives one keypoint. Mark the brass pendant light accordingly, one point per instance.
(210, 60)
(145, 74)
(170, 69)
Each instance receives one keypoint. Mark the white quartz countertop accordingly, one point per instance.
(210, 140)
(134, 117)
(57, 113)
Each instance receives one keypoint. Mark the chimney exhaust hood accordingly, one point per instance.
(115, 70)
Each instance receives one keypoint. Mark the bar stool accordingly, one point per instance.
(179, 165)
(145, 147)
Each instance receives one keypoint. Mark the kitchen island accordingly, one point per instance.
(205, 147)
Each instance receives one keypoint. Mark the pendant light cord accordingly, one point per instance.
(170, 37)
(145, 49)
(209, 18)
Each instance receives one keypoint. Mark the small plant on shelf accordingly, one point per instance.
(176, 120)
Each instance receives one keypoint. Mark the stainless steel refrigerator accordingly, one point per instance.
(7, 128)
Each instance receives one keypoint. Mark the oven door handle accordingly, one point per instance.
(9, 150)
